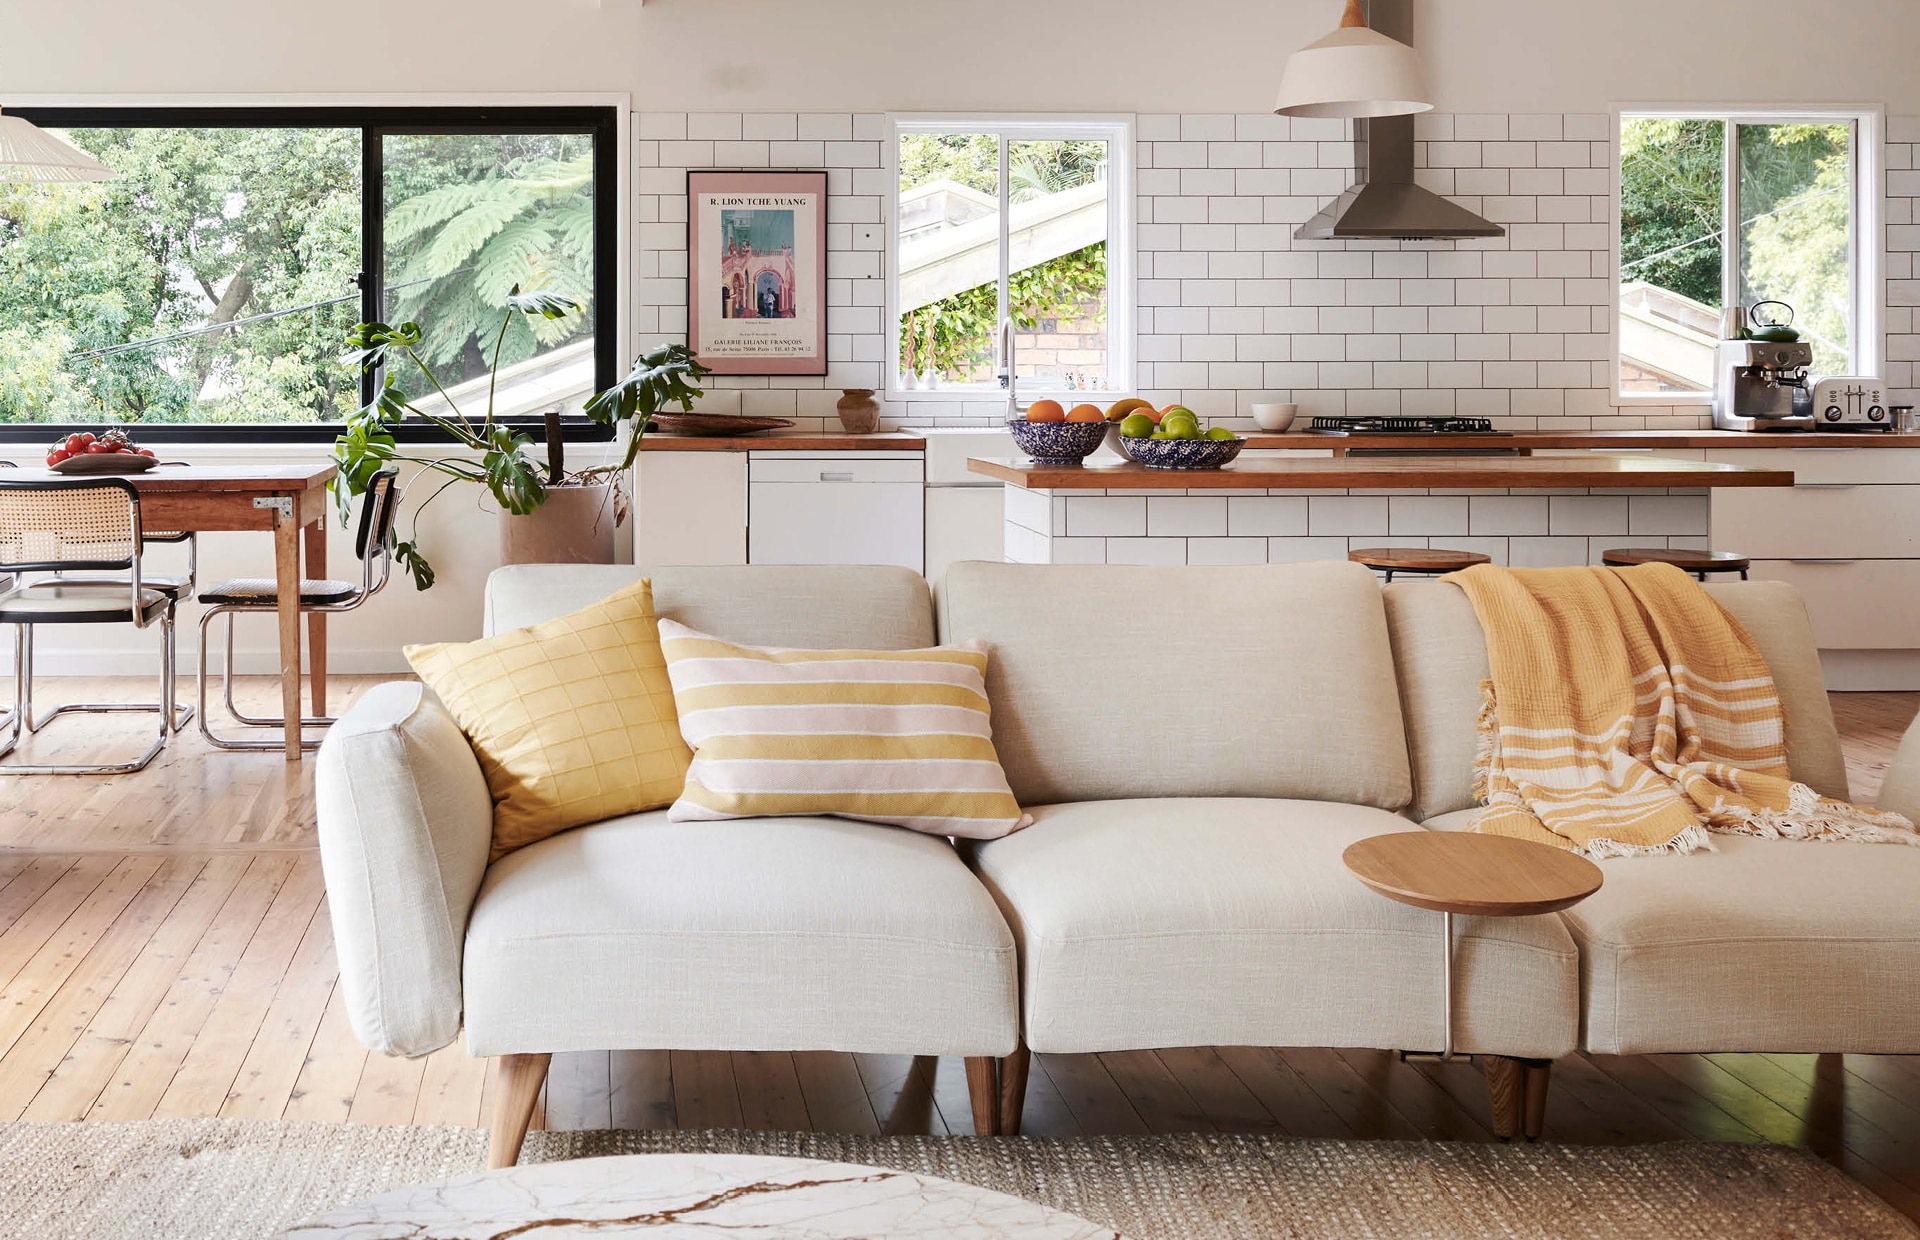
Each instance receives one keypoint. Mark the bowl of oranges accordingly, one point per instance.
(1054, 435)
(1171, 438)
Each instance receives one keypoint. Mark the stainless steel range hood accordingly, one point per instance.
(1384, 203)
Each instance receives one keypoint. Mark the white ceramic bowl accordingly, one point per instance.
(1274, 418)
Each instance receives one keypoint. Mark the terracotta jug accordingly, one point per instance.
(859, 411)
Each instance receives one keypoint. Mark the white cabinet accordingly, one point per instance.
(1847, 537)
(836, 508)
(964, 523)
(691, 508)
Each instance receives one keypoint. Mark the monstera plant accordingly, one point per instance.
(486, 451)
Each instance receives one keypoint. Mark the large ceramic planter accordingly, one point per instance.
(574, 526)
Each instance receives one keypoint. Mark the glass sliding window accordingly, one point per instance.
(210, 282)
(468, 218)
(206, 291)
(1672, 256)
(1718, 213)
(1796, 231)
(1009, 221)
(947, 277)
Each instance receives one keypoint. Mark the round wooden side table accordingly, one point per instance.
(1699, 563)
(1480, 876)
(1418, 561)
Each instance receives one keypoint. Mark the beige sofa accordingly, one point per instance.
(1197, 746)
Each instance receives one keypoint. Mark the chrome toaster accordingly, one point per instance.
(1851, 403)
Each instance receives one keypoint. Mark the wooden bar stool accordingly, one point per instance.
(1699, 563)
(1416, 561)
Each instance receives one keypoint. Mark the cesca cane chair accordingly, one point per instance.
(52, 528)
(373, 544)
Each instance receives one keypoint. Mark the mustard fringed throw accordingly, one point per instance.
(1628, 713)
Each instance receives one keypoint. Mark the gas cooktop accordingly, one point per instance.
(1402, 426)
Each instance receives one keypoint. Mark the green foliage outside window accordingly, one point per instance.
(1796, 218)
(955, 337)
(107, 290)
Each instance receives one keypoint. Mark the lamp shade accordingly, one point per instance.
(29, 153)
(1354, 72)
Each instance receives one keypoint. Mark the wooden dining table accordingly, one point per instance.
(289, 500)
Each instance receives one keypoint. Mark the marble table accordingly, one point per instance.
(688, 1196)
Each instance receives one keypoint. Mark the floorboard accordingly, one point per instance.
(165, 949)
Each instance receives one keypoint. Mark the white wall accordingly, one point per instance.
(879, 55)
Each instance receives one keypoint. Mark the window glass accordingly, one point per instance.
(948, 257)
(1057, 283)
(467, 217)
(1672, 260)
(1796, 206)
(212, 281)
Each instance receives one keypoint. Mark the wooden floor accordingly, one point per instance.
(165, 951)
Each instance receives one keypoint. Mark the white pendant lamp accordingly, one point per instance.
(31, 154)
(1354, 72)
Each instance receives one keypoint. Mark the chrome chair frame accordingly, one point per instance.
(21, 718)
(373, 544)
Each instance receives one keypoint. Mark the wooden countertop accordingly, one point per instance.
(1388, 473)
(1527, 441)
(790, 441)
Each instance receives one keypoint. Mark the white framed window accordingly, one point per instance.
(1718, 209)
(995, 219)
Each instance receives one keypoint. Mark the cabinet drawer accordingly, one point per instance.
(1857, 605)
(1829, 465)
(1819, 521)
(785, 467)
(837, 523)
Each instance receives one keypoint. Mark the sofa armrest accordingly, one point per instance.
(1901, 792)
(406, 823)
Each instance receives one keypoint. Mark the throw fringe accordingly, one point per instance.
(1810, 816)
(1693, 839)
(1486, 740)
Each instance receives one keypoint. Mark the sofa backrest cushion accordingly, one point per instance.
(821, 608)
(1440, 655)
(1111, 682)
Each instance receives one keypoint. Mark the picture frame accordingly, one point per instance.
(757, 271)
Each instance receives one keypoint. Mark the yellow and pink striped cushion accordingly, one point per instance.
(892, 736)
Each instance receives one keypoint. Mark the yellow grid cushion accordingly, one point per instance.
(572, 720)
(902, 737)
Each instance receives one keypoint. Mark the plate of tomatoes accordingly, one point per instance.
(113, 452)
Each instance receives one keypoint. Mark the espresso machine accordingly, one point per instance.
(1761, 385)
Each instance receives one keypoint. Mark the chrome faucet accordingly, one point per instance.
(1009, 377)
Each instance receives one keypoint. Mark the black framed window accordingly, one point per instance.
(204, 293)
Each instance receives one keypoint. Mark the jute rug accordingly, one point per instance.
(245, 1180)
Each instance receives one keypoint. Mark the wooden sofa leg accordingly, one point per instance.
(983, 1089)
(516, 1087)
(1538, 1072)
(1013, 1089)
(1506, 1092)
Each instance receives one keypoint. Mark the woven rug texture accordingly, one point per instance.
(247, 1180)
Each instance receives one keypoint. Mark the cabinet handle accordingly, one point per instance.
(1822, 561)
(836, 475)
(1826, 486)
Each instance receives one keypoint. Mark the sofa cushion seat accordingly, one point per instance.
(1205, 922)
(768, 934)
(1762, 945)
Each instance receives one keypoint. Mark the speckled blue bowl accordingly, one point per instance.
(1058, 443)
(1182, 453)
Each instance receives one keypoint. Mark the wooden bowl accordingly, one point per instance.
(105, 463)
(713, 425)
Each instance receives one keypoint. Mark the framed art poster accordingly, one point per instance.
(757, 271)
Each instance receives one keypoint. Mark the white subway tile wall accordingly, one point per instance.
(1286, 527)
(1233, 309)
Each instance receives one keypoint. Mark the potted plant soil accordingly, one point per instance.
(548, 514)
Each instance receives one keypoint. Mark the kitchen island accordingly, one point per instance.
(1521, 510)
